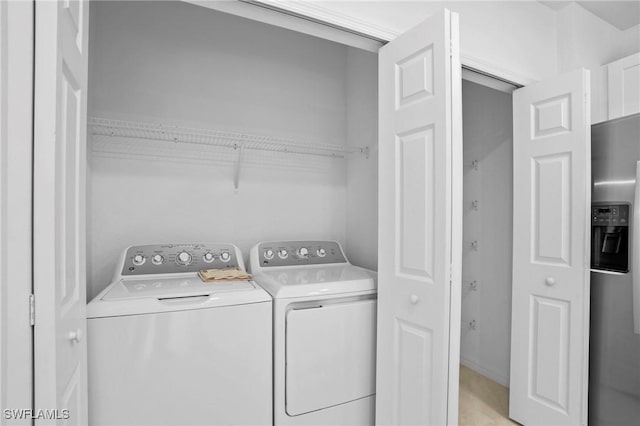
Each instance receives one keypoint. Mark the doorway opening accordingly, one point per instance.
(487, 249)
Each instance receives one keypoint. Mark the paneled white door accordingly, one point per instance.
(419, 225)
(551, 240)
(59, 211)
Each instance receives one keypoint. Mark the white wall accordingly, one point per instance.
(518, 37)
(584, 40)
(488, 138)
(362, 174)
(182, 64)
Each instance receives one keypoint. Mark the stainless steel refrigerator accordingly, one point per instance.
(614, 382)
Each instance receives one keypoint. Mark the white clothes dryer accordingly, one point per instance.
(166, 348)
(324, 335)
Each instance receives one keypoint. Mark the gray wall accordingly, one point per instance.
(488, 133)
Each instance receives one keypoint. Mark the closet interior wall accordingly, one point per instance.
(180, 64)
(487, 230)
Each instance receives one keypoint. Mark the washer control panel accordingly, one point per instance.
(292, 253)
(176, 258)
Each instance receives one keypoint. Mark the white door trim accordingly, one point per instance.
(16, 89)
(455, 301)
(316, 24)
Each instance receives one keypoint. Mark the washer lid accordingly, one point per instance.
(172, 287)
(177, 292)
(302, 281)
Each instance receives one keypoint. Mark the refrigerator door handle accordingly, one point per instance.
(635, 272)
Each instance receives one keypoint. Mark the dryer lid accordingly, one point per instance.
(303, 281)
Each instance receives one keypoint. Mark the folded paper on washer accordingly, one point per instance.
(227, 274)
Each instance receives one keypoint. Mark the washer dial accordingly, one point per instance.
(225, 256)
(138, 259)
(268, 254)
(321, 252)
(208, 257)
(157, 259)
(303, 252)
(283, 254)
(184, 258)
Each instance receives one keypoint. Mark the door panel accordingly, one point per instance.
(416, 192)
(59, 209)
(418, 146)
(550, 299)
(330, 355)
(551, 211)
(549, 354)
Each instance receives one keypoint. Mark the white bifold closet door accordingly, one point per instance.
(59, 211)
(420, 225)
(551, 256)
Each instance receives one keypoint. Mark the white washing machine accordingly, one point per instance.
(166, 348)
(324, 331)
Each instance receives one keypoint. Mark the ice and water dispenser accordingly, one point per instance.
(610, 237)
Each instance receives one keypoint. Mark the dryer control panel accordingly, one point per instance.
(177, 258)
(294, 253)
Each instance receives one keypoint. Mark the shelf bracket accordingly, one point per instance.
(236, 178)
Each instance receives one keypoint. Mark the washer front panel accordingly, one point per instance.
(177, 258)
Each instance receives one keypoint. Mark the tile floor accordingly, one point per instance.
(483, 402)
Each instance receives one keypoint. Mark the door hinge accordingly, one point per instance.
(451, 275)
(32, 310)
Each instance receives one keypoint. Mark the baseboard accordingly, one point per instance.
(475, 366)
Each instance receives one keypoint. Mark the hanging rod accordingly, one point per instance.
(171, 133)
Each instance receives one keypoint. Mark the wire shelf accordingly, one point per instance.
(156, 140)
(193, 136)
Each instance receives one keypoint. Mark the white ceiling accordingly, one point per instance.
(620, 14)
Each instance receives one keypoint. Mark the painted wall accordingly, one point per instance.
(525, 39)
(181, 64)
(584, 40)
(517, 37)
(486, 271)
(362, 174)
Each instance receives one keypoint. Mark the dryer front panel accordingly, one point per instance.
(330, 355)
